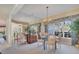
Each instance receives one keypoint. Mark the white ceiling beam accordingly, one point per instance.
(15, 9)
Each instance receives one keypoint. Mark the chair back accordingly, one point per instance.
(51, 40)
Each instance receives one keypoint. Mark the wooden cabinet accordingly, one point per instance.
(31, 38)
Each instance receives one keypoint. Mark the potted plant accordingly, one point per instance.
(75, 27)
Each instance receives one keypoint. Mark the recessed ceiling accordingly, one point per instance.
(32, 13)
(36, 12)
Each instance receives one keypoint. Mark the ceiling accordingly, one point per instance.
(32, 13)
(5, 10)
(35, 12)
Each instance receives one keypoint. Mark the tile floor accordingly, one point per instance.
(37, 48)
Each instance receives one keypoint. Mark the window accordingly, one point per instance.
(67, 34)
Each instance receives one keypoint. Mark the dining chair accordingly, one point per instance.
(51, 42)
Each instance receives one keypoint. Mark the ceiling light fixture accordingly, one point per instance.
(46, 20)
(47, 13)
